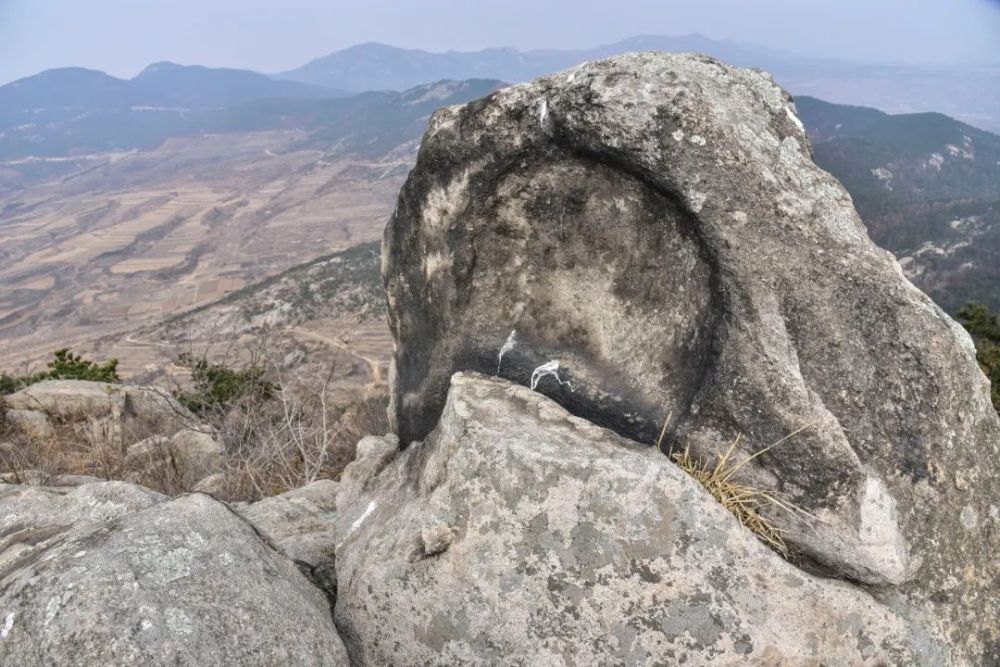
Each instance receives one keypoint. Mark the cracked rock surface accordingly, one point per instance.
(569, 545)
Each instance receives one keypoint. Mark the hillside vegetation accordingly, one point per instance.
(928, 189)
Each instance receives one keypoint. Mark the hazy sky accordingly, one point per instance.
(122, 36)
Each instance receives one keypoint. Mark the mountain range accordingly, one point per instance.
(71, 111)
(969, 93)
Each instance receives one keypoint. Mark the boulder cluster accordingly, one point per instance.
(590, 278)
(163, 444)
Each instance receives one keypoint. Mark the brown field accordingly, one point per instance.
(93, 258)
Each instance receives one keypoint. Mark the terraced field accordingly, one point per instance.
(125, 242)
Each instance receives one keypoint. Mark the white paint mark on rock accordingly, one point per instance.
(543, 111)
(507, 347)
(795, 119)
(549, 368)
(361, 519)
(880, 533)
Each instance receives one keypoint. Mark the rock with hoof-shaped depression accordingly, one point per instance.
(112, 574)
(648, 236)
(518, 534)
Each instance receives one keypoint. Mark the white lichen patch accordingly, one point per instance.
(791, 150)
(678, 135)
(361, 519)
(697, 140)
(442, 202)
(54, 604)
(434, 263)
(178, 621)
(696, 200)
(173, 565)
(969, 517)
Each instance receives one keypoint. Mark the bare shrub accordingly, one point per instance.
(302, 434)
(279, 430)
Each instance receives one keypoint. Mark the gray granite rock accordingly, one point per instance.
(520, 534)
(82, 401)
(655, 224)
(31, 423)
(113, 574)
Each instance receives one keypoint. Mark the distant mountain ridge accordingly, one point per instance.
(971, 94)
(198, 87)
(188, 86)
(371, 124)
(167, 101)
(73, 110)
(375, 66)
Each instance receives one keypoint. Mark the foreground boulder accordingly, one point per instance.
(113, 574)
(519, 534)
(648, 236)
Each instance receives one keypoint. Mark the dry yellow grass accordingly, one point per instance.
(746, 502)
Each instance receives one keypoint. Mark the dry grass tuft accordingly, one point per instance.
(744, 501)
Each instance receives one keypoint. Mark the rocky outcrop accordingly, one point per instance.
(648, 236)
(112, 574)
(519, 534)
(90, 416)
(99, 405)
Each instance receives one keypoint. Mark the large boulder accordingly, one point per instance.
(70, 400)
(648, 236)
(519, 534)
(112, 574)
